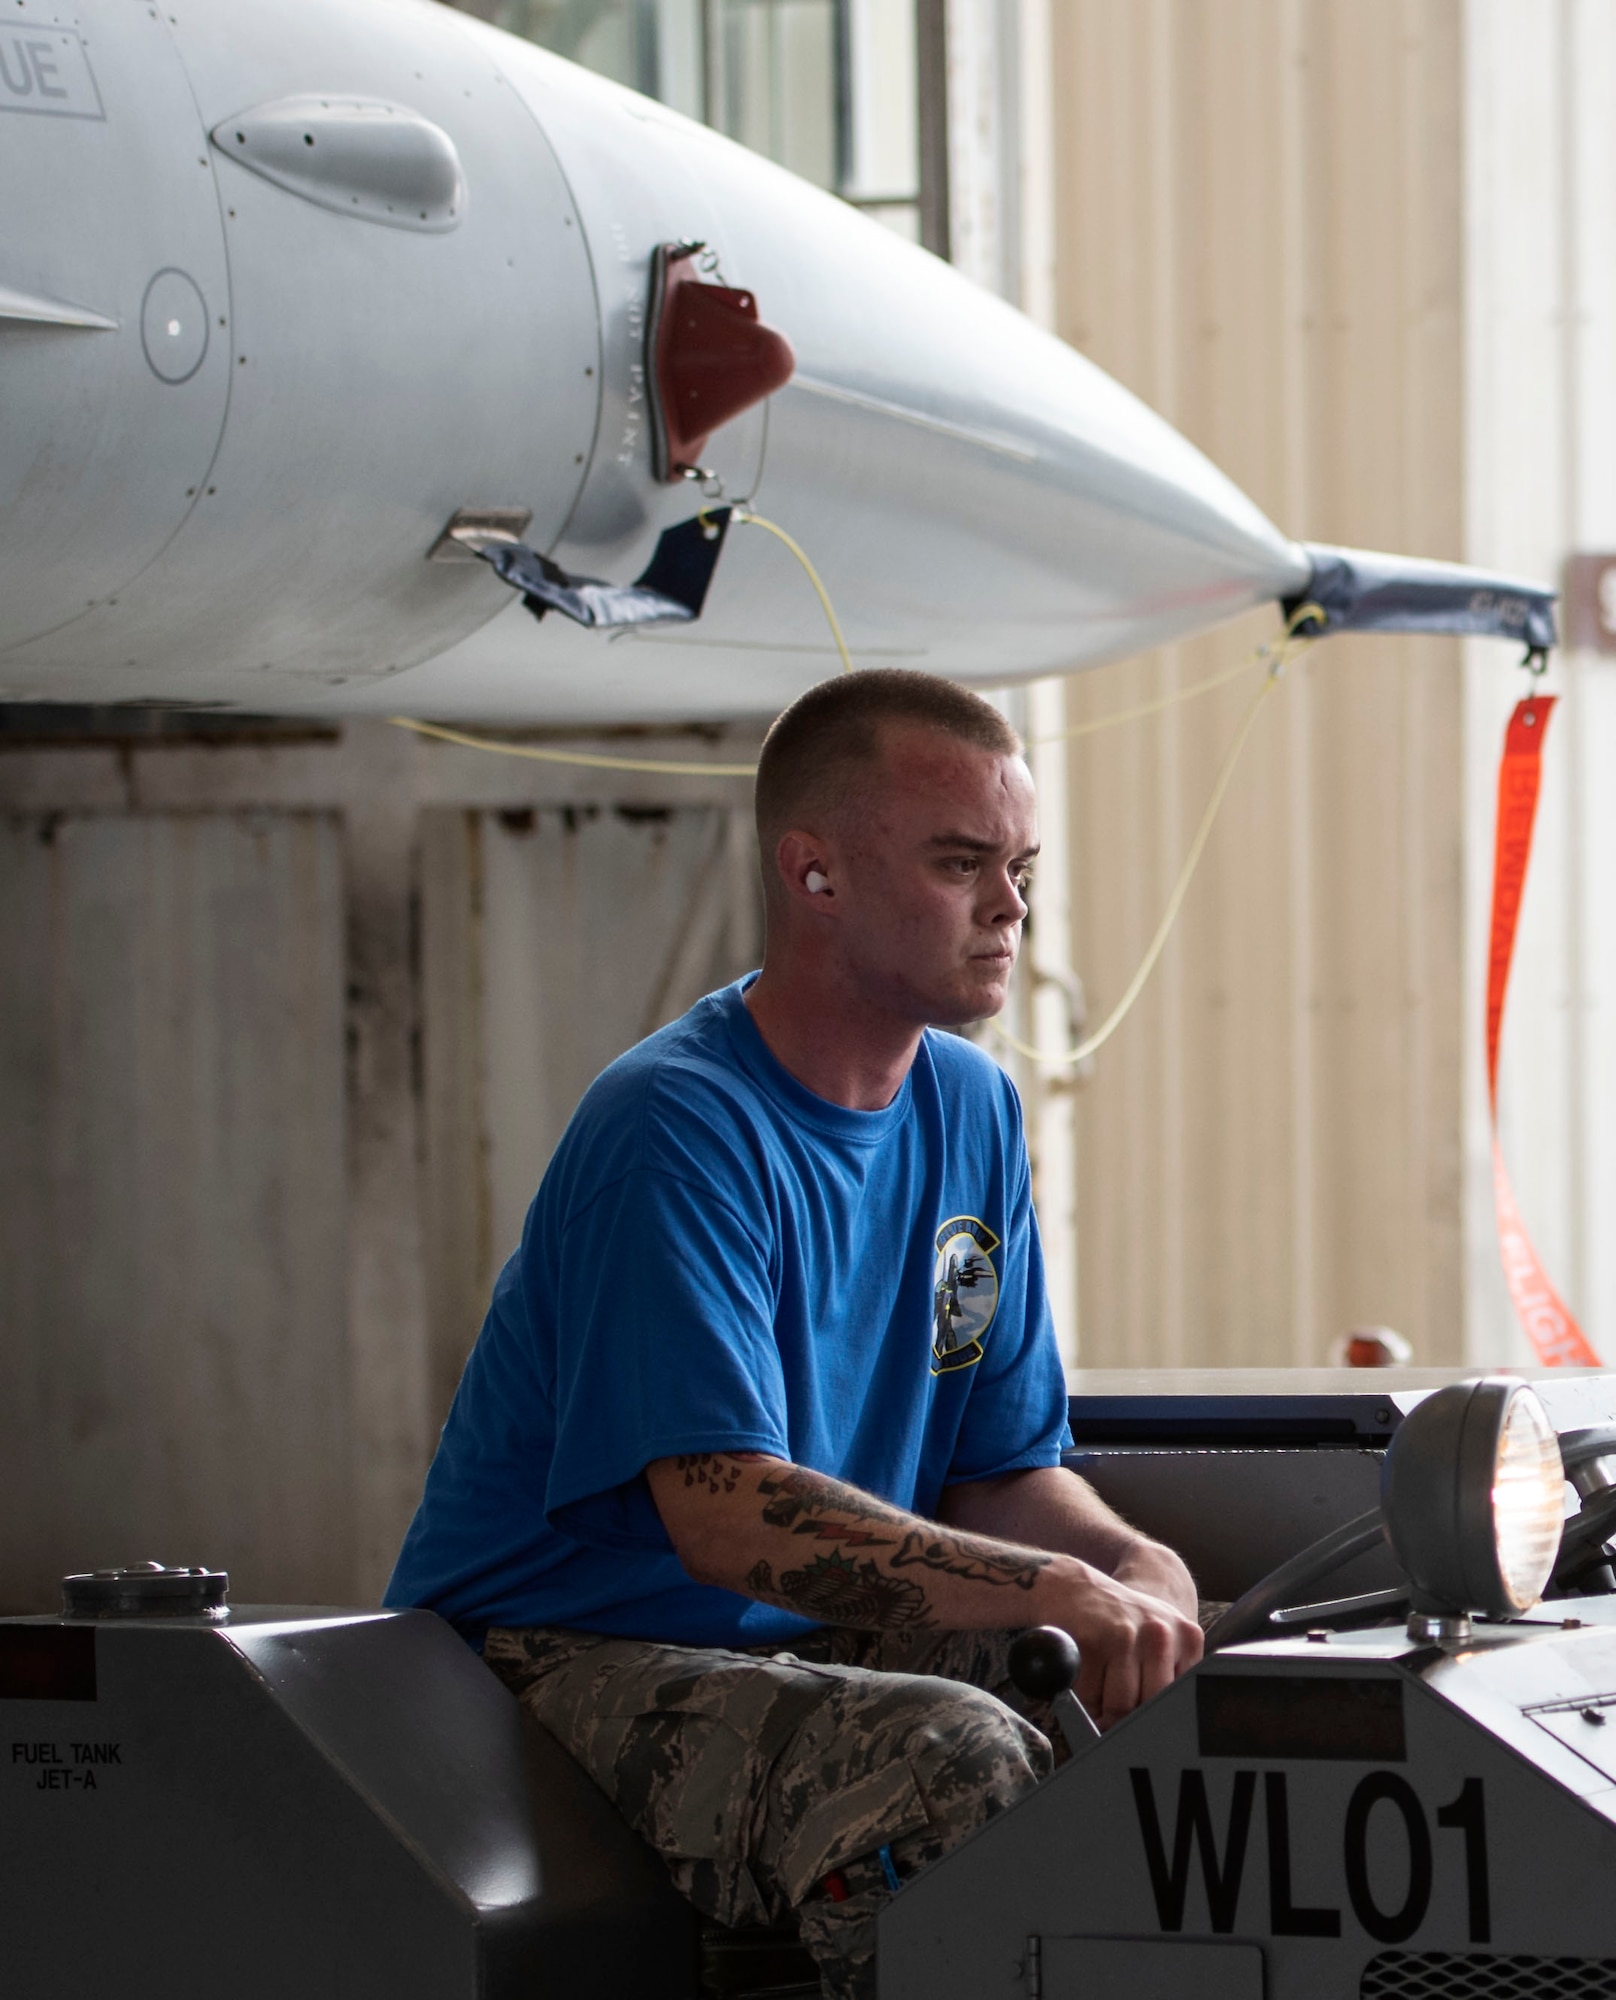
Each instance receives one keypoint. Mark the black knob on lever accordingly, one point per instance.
(1044, 1662)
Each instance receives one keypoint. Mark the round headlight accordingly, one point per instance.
(1474, 1497)
(1528, 1499)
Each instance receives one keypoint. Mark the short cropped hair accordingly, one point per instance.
(828, 739)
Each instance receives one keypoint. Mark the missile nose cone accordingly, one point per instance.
(711, 358)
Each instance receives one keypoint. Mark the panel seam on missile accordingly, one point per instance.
(1007, 447)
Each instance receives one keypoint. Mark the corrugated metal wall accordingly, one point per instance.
(287, 1033)
(172, 1352)
(1260, 231)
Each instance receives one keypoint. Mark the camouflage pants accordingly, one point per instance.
(757, 1775)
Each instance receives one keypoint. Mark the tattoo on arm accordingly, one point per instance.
(965, 1556)
(844, 1531)
(840, 1588)
(717, 1471)
(806, 1502)
(838, 1591)
(792, 1492)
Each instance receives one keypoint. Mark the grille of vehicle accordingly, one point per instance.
(1454, 1975)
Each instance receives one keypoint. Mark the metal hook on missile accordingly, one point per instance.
(712, 483)
(1535, 660)
(707, 259)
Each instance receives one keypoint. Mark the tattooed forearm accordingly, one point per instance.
(977, 1561)
(830, 1552)
(849, 1533)
(810, 1503)
(842, 1592)
(837, 1591)
(793, 1492)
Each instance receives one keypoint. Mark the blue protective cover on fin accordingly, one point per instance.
(671, 590)
(1360, 590)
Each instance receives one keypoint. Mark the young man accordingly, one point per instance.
(754, 1471)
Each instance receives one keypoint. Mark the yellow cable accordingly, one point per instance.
(589, 757)
(1145, 708)
(592, 759)
(748, 519)
(1175, 902)
(1167, 701)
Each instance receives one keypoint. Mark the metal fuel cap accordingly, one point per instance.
(147, 1590)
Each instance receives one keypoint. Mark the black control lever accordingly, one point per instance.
(1043, 1664)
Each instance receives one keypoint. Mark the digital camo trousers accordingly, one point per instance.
(757, 1775)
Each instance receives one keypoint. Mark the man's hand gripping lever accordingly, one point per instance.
(1044, 1664)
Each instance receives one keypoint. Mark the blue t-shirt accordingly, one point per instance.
(719, 1260)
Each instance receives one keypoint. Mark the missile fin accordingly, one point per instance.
(671, 590)
(682, 564)
(35, 310)
(1360, 590)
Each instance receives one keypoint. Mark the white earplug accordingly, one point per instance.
(815, 883)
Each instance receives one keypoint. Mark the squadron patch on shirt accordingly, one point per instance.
(965, 1293)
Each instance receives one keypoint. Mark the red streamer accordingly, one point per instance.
(1556, 1338)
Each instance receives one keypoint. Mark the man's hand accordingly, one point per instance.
(816, 1546)
(1132, 1646)
(1134, 1637)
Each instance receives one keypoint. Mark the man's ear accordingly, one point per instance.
(807, 868)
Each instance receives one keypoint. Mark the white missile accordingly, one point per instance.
(293, 288)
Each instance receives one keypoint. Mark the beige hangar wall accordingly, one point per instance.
(1258, 230)
(288, 1030)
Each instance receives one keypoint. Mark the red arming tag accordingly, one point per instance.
(1556, 1338)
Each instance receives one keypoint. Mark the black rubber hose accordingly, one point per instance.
(1580, 1559)
(1247, 1617)
(1596, 1522)
(1578, 1448)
